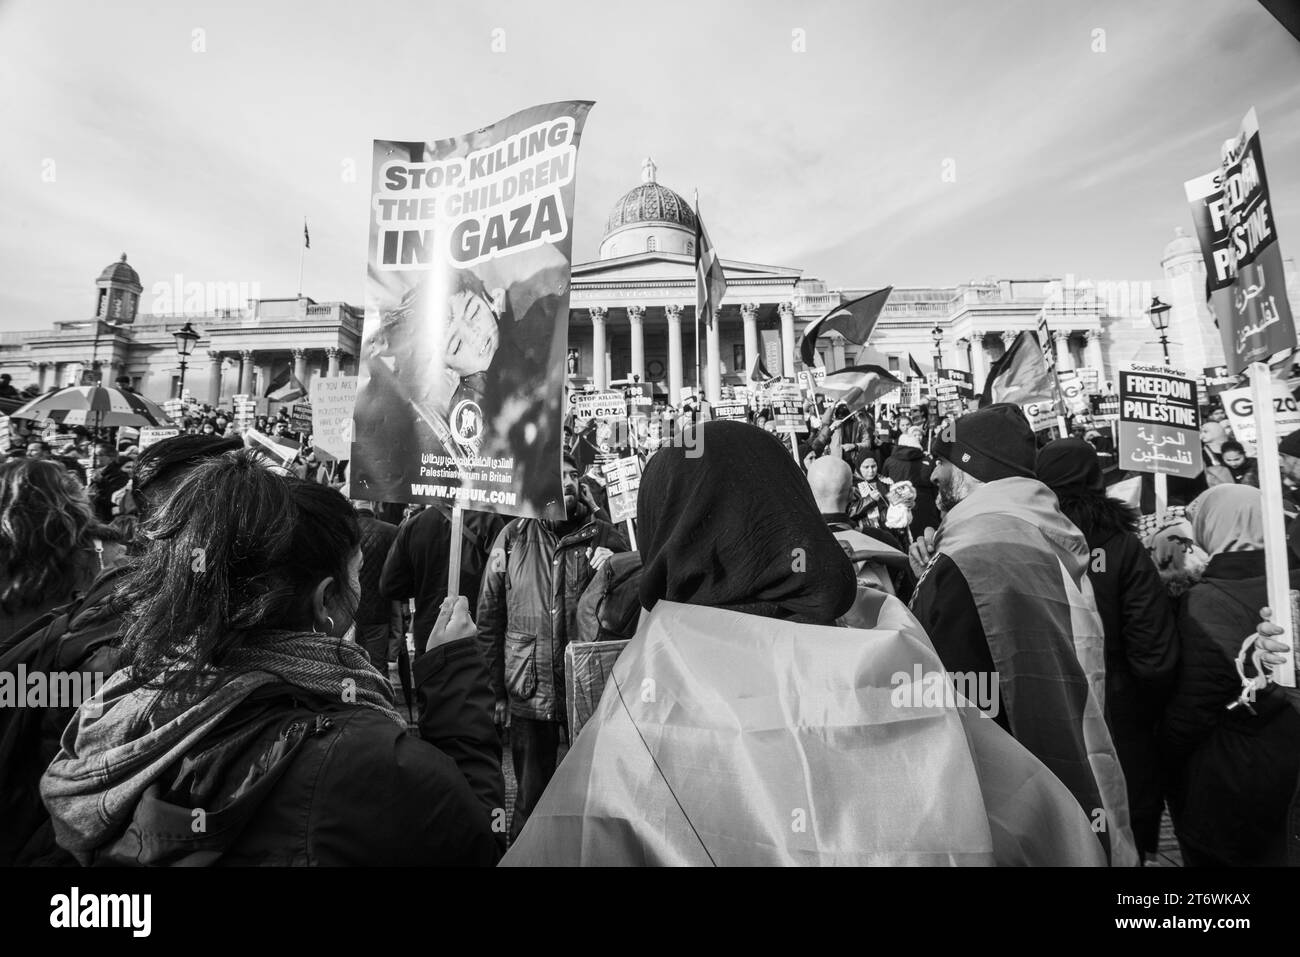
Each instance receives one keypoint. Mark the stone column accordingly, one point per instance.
(635, 318)
(979, 361)
(1061, 342)
(332, 354)
(674, 314)
(787, 339)
(214, 379)
(599, 354)
(300, 365)
(1008, 337)
(246, 372)
(713, 360)
(1093, 351)
(749, 314)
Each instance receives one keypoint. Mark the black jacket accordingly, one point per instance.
(376, 540)
(1141, 649)
(910, 465)
(1232, 773)
(417, 563)
(292, 779)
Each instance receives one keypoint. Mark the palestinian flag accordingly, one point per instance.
(710, 282)
(916, 369)
(853, 320)
(1021, 375)
(858, 386)
(291, 390)
(758, 373)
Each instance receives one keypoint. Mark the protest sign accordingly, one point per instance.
(1217, 381)
(1041, 415)
(624, 480)
(1245, 277)
(1072, 392)
(1090, 379)
(151, 435)
(737, 411)
(787, 408)
(245, 407)
(1159, 422)
(1240, 406)
(467, 313)
(5, 435)
(610, 406)
(300, 417)
(332, 405)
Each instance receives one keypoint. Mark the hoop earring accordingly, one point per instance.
(331, 624)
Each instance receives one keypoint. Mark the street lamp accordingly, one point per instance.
(185, 338)
(1158, 312)
(937, 335)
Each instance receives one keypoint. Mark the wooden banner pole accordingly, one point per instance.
(453, 561)
(1270, 486)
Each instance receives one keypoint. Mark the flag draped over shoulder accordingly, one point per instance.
(813, 720)
(1021, 375)
(853, 320)
(710, 281)
(1027, 570)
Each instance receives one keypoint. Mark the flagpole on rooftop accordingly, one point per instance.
(699, 234)
(302, 253)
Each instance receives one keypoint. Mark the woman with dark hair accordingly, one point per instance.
(869, 502)
(743, 725)
(248, 728)
(51, 544)
(1141, 644)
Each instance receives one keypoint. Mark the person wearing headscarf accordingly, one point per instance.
(744, 725)
(1137, 619)
(1232, 772)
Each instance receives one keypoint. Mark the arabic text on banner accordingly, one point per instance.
(1159, 422)
(467, 310)
(1245, 279)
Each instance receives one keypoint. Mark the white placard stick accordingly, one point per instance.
(1275, 547)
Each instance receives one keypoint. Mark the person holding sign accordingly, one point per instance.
(527, 613)
(1233, 767)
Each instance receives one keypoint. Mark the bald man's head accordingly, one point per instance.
(830, 479)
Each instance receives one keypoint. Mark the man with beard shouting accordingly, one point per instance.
(1003, 590)
(527, 613)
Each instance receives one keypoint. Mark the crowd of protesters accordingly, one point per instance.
(259, 632)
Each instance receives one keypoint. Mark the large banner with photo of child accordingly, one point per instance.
(467, 306)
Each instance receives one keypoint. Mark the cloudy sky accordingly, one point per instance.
(196, 136)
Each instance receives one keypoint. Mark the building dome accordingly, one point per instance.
(649, 218)
(120, 272)
(1181, 245)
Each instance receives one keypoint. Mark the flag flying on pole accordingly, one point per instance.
(290, 391)
(853, 320)
(306, 236)
(858, 386)
(710, 282)
(1020, 375)
(916, 369)
(758, 370)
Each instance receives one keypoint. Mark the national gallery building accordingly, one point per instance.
(632, 313)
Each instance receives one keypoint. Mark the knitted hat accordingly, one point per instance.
(994, 443)
(1070, 464)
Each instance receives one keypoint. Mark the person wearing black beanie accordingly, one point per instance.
(1003, 590)
(1141, 640)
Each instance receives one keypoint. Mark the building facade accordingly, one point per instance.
(632, 315)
